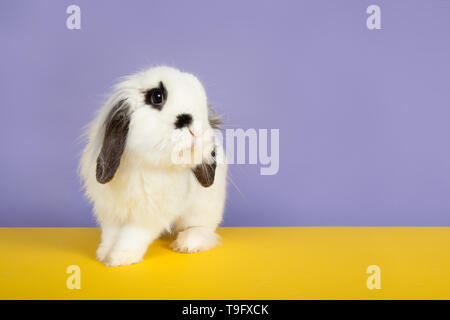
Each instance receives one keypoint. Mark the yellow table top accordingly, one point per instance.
(251, 263)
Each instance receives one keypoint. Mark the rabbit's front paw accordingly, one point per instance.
(123, 257)
(195, 239)
(102, 252)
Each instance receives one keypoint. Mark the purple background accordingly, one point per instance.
(363, 115)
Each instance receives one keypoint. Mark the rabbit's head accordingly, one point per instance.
(156, 118)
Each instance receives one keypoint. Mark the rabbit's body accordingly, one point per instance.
(136, 201)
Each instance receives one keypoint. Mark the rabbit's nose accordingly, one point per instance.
(183, 120)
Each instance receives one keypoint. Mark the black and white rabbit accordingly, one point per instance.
(132, 171)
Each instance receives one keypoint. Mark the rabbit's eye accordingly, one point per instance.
(156, 97)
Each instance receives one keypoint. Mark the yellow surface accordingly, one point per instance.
(252, 263)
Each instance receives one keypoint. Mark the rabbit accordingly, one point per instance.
(138, 188)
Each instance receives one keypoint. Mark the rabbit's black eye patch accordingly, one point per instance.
(156, 97)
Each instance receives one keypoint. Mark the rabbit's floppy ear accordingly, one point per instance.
(116, 130)
(205, 172)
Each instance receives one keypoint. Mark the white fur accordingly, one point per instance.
(149, 192)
